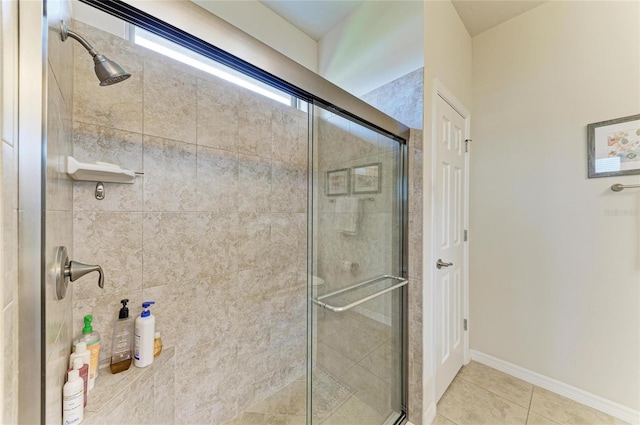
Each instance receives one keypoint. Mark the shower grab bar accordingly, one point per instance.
(401, 282)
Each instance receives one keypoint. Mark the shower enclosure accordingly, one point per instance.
(268, 224)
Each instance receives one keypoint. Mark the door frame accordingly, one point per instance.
(439, 89)
(32, 125)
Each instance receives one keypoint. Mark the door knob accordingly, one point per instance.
(72, 270)
(440, 264)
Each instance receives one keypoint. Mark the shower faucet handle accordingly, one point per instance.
(65, 270)
(76, 270)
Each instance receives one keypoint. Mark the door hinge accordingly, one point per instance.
(466, 235)
(465, 324)
(466, 144)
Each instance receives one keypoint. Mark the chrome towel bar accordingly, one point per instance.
(619, 187)
(401, 282)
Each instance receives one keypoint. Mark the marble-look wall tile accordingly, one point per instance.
(170, 97)
(181, 247)
(170, 176)
(217, 226)
(164, 393)
(254, 132)
(401, 99)
(288, 243)
(58, 51)
(415, 353)
(217, 180)
(254, 248)
(116, 106)
(218, 115)
(211, 400)
(415, 214)
(254, 184)
(182, 309)
(289, 136)
(93, 143)
(59, 188)
(114, 241)
(288, 188)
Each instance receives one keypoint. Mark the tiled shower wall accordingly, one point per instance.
(403, 100)
(214, 231)
(59, 205)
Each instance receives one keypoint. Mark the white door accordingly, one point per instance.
(450, 207)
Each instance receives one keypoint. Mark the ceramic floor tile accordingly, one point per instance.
(467, 404)
(356, 410)
(564, 411)
(297, 420)
(497, 382)
(535, 419)
(441, 420)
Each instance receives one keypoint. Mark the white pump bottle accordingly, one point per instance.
(145, 328)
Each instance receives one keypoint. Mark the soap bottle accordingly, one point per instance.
(122, 341)
(92, 339)
(157, 344)
(145, 327)
(80, 351)
(72, 399)
(83, 369)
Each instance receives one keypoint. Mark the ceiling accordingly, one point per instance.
(313, 17)
(480, 15)
(316, 17)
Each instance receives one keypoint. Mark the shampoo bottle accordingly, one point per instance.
(80, 352)
(83, 369)
(122, 341)
(72, 399)
(144, 332)
(92, 339)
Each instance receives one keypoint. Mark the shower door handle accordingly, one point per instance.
(440, 264)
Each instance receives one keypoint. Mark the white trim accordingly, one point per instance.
(583, 397)
(429, 414)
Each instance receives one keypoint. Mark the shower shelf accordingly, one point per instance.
(99, 172)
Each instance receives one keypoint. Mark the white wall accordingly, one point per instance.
(378, 43)
(259, 21)
(447, 57)
(555, 273)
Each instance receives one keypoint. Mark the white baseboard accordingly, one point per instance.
(429, 414)
(599, 403)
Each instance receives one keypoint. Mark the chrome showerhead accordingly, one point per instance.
(107, 71)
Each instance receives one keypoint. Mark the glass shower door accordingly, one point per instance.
(357, 288)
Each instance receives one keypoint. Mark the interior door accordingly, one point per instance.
(450, 206)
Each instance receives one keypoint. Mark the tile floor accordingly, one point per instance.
(480, 395)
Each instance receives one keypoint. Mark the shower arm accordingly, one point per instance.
(66, 32)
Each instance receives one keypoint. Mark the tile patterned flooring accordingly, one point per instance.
(480, 395)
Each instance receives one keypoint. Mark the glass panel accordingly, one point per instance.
(356, 354)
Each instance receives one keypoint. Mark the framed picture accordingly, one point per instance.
(367, 178)
(614, 147)
(338, 182)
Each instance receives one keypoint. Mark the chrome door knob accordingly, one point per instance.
(440, 264)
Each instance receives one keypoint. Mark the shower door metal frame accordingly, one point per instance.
(403, 260)
(233, 48)
(32, 125)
